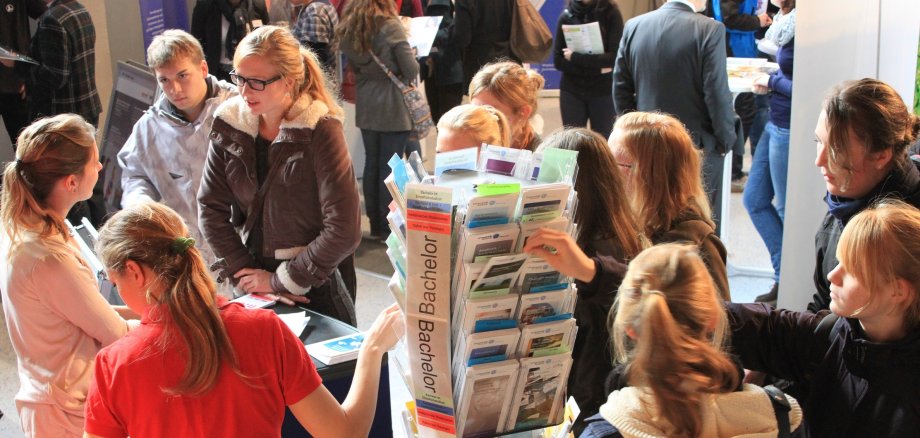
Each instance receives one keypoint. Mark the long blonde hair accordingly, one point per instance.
(666, 169)
(663, 329)
(361, 21)
(514, 86)
(279, 47)
(484, 123)
(47, 150)
(880, 245)
(149, 234)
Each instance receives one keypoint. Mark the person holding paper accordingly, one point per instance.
(231, 371)
(469, 126)
(55, 315)
(594, 29)
(369, 31)
(606, 228)
(675, 377)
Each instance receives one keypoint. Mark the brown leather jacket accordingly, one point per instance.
(310, 214)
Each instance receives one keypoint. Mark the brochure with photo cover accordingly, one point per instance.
(546, 307)
(537, 275)
(337, 350)
(486, 314)
(499, 274)
(486, 347)
(491, 210)
(547, 339)
(485, 395)
(540, 391)
(504, 161)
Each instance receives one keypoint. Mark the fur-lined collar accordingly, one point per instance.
(305, 113)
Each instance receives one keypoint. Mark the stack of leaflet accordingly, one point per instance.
(511, 324)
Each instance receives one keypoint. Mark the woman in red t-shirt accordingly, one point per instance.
(201, 366)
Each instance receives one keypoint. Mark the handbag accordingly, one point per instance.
(531, 40)
(415, 102)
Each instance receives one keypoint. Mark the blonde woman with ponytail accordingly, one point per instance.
(469, 126)
(675, 378)
(278, 198)
(513, 90)
(200, 366)
(55, 315)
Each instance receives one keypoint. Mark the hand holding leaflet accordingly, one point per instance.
(584, 38)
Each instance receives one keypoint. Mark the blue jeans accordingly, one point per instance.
(765, 192)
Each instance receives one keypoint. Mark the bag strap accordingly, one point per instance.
(826, 325)
(781, 409)
(399, 84)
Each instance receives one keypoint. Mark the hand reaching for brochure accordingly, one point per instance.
(561, 251)
(388, 328)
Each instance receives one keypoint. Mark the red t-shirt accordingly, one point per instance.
(127, 398)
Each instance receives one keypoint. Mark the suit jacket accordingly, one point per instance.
(673, 60)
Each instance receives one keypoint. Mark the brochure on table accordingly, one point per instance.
(489, 328)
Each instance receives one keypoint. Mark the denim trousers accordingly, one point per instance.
(765, 192)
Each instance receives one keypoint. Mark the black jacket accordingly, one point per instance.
(903, 183)
(206, 26)
(582, 74)
(856, 388)
(592, 357)
(673, 60)
(482, 30)
(445, 55)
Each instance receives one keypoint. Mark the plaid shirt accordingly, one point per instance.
(316, 23)
(65, 79)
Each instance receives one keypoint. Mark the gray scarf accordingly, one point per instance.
(783, 28)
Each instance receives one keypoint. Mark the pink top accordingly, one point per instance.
(56, 317)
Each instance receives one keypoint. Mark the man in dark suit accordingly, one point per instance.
(673, 60)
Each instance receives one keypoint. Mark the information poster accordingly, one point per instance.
(134, 92)
(159, 15)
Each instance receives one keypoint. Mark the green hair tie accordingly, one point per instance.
(182, 244)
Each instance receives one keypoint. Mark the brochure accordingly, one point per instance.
(337, 350)
(463, 159)
(547, 339)
(486, 347)
(584, 38)
(558, 165)
(539, 392)
(503, 161)
(254, 301)
(546, 307)
(499, 274)
(296, 321)
(422, 32)
(539, 276)
(528, 228)
(544, 202)
(491, 210)
(485, 395)
(479, 243)
(502, 310)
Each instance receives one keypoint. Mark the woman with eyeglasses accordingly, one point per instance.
(278, 197)
(370, 34)
(664, 186)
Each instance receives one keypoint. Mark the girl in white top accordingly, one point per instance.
(56, 317)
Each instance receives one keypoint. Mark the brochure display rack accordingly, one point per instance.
(489, 328)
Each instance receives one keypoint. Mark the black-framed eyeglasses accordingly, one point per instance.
(254, 84)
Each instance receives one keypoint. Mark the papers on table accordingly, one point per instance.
(254, 301)
(337, 350)
(296, 321)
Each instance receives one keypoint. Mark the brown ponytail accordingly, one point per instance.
(147, 234)
(663, 324)
(47, 150)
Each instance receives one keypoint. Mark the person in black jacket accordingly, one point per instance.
(238, 17)
(862, 137)
(441, 70)
(859, 369)
(606, 227)
(482, 30)
(586, 89)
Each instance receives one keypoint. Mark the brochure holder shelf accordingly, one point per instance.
(489, 328)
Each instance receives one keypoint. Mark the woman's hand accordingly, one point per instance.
(559, 249)
(761, 85)
(388, 328)
(567, 53)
